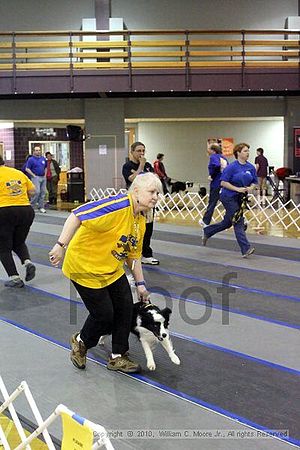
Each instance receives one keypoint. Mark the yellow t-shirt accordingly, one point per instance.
(108, 234)
(14, 186)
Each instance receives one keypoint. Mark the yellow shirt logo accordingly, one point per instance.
(14, 187)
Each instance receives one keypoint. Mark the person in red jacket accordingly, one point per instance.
(160, 170)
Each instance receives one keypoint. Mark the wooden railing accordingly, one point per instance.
(152, 49)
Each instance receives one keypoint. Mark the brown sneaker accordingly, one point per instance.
(78, 352)
(123, 364)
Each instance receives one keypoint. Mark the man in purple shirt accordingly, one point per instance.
(261, 164)
(36, 167)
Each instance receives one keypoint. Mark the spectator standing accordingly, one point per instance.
(137, 164)
(216, 165)
(52, 177)
(160, 170)
(36, 167)
(238, 179)
(261, 164)
(23, 168)
(16, 217)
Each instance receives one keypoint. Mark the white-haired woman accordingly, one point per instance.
(98, 238)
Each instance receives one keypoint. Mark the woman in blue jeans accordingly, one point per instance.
(238, 178)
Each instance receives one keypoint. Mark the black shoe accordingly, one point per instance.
(248, 252)
(30, 272)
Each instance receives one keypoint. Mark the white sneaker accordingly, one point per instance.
(42, 210)
(150, 260)
(202, 224)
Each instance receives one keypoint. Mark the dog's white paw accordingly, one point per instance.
(175, 359)
(151, 366)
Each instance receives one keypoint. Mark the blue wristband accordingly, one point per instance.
(140, 283)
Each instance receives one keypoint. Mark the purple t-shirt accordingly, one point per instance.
(262, 161)
(37, 165)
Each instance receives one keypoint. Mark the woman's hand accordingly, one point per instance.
(56, 255)
(242, 190)
(251, 188)
(143, 294)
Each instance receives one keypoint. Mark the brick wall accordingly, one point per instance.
(7, 137)
(22, 136)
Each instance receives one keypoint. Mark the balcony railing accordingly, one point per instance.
(153, 49)
(60, 62)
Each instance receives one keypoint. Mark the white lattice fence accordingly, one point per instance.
(190, 206)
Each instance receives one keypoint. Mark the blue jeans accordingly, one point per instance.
(214, 195)
(231, 205)
(40, 191)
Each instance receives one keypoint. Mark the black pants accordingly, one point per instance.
(52, 190)
(15, 223)
(147, 250)
(110, 312)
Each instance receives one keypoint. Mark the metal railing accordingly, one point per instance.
(140, 49)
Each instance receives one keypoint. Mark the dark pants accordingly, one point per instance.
(214, 195)
(110, 312)
(231, 205)
(15, 222)
(52, 189)
(147, 250)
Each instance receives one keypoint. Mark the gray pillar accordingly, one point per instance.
(104, 149)
(102, 14)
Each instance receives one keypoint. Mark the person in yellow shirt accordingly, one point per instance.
(99, 237)
(16, 217)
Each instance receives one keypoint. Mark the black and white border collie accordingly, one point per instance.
(150, 324)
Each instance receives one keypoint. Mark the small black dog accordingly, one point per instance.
(178, 186)
(150, 325)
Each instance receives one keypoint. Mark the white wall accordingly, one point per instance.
(184, 143)
(204, 14)
(19, 15)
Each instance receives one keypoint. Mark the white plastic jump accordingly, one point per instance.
(99, 439)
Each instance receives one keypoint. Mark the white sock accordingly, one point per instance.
(27, 261)
(78, 339)
(14, 277)
(115, 355)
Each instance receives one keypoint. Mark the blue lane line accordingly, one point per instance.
(165, 388)
(206, 280)
(174, 296)
(248, 269)
(174, 333)
(220, 283)
(237, 354)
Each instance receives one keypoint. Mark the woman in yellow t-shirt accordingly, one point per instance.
(16, 217)
(98, 238)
